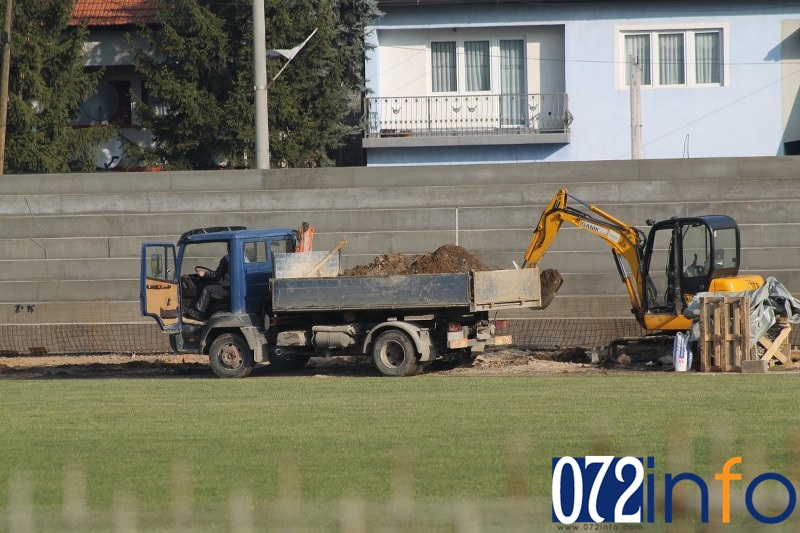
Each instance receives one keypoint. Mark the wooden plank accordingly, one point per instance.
(319, 265)
(737, 315)
(719, 348)
(746, 329)
(297, 265)
(774, 347)
(705, 345)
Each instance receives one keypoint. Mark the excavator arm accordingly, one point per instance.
(626, 242)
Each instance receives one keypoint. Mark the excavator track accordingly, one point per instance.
(639, 350)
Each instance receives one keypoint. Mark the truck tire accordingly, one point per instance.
(394, 354)
(230, 356)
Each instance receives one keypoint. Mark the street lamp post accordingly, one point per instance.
(260, 77)
(260, 54)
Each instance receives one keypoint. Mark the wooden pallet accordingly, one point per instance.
(724, 333)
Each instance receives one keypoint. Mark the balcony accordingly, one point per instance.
(457, 120)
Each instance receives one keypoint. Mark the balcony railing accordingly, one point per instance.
(495, 114)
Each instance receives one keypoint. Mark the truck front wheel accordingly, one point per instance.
(230, 356)
(394, 354)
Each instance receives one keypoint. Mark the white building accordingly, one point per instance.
(460, 81)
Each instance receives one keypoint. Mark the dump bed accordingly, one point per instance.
(472, 291)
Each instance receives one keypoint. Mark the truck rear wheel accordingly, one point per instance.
(394, 354)
(230, 356)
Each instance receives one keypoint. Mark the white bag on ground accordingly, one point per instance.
(681, 354)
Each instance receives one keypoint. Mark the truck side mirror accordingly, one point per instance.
(156, 265)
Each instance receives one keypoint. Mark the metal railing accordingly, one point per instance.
(489, 114)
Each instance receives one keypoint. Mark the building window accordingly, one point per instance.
(708, 63)
(514, 101)
(443, 65)
(672, 61)
(480, 66)
(674, 57)
(637, 50)
(476, 56)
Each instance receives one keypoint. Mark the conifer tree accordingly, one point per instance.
(199, 77)
(46, 86)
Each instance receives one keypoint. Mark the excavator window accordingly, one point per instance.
(696, 259)
(660, 279)
(725, 256)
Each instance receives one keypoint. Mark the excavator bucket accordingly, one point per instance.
(551, 281)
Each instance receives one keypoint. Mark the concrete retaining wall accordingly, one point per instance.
(69, 244)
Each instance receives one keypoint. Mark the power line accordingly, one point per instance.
(588, 61)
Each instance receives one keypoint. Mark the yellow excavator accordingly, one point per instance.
(662, 270)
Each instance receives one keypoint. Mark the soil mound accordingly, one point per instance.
(447, 259)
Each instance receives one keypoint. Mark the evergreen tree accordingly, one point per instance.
(199, 69)
(46, 86)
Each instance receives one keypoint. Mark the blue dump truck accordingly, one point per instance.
(282, 306)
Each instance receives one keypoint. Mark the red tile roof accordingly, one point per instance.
(113, 12)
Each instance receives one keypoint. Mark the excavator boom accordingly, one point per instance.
(626, 242)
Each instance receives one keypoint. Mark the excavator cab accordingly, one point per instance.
(684, 256)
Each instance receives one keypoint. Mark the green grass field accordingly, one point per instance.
(453, 438)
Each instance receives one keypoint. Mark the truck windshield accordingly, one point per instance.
(203, 254)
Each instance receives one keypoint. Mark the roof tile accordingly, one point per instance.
(113, 12)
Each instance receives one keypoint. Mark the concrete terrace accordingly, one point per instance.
(70, 244)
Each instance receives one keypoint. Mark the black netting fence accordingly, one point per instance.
(97, 338)
(551, 333)
(143, 337)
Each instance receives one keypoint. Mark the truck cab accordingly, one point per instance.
(170, 282)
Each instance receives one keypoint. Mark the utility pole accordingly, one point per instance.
(6, 38)
(636, 107)
(260, 77)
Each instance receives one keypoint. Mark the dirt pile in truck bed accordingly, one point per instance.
(447, 259)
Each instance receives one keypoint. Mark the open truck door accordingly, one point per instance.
(158, 291)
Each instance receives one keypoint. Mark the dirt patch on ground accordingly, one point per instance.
(495, 363)
(506, 362)
(103, 366)
(513, 362)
